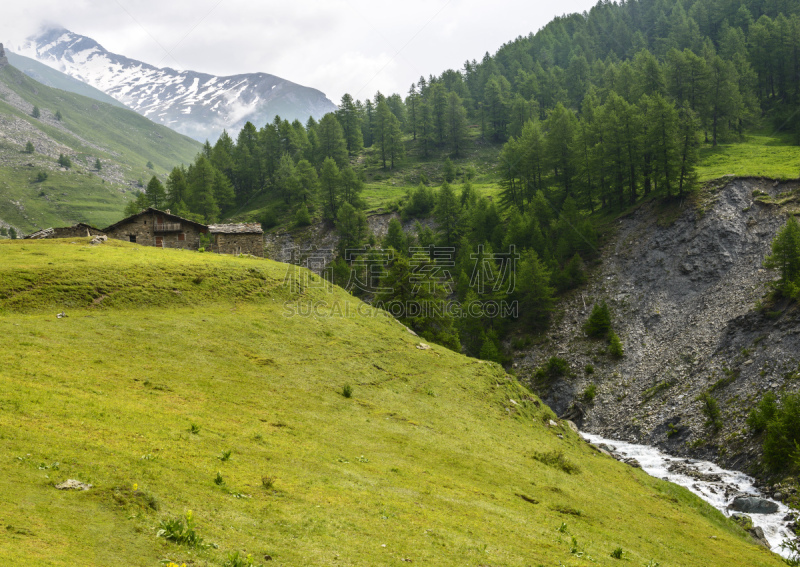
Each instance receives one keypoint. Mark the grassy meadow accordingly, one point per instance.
(179, 381)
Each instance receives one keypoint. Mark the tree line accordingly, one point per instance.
(595, 110)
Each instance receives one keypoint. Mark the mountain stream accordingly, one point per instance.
(715, 485)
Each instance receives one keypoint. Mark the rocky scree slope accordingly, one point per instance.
(683, 299)
(198, 105)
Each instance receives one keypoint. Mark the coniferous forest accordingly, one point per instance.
(591, 114)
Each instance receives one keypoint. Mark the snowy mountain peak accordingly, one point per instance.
(196, 104)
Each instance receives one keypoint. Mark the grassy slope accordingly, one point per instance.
(761, 154)
(119, 137)
(58, 80)
(427, 460)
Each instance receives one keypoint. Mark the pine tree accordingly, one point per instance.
(496, 109)
(663, 143)
(687, 148)
(329, 186)
(285, 179)
(786, 258)
(29, 149)
(367, 123)
(599, 322)
(97, 165)
(448, 215)
(177, 188)
(156, 194)
(412, 104)
(224, 194)
(448, 171)
(438, 106)
(425, 128)
(247, 159)
(533, 291)
(382, 130)
(456, 124)
(36, 113)
(200, 181)
(331, 139)
(615, 345)
(302, 217)
(352, 226)
(521, 112)
(299, 144)
(562, 127)
(397, 107)
(138, 204)
(722, 101)
(511, 163)
(307, 181)
(351, 186)
(350, 120)
(395, 140)
(395, 237)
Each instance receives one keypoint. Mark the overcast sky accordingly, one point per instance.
(337, 46)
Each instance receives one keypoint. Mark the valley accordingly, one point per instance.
(484, 305)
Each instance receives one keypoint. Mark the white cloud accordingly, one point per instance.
(336, 46)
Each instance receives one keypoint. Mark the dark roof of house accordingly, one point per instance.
(82, 224)
(240, 228)
(44, 233)
(153, 211)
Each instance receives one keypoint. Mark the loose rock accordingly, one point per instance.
(72, 484)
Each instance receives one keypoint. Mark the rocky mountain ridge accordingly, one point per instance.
(198, 105)
(684, 299)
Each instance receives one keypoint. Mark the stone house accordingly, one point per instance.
(162, 229)
(80, 230)
(243, 238)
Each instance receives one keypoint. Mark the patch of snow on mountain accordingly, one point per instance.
(197, 104)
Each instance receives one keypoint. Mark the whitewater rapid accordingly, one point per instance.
(717, 493)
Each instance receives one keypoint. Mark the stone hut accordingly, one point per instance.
(80, 230)
(77, 231)
(152, 227)
(41, 234)
(243, 238)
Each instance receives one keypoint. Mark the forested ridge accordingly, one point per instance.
(595, 111)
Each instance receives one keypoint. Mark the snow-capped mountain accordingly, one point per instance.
(196, 104)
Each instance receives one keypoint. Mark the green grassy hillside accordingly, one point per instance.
(58, 80)
(184, 381)
(122, 140)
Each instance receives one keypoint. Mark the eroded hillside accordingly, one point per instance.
(683, 296)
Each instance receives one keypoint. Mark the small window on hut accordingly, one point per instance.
(182, 236)
(132, 238)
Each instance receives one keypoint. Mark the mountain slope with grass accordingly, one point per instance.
(218, 400)
(37, 192)
(57, 80)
